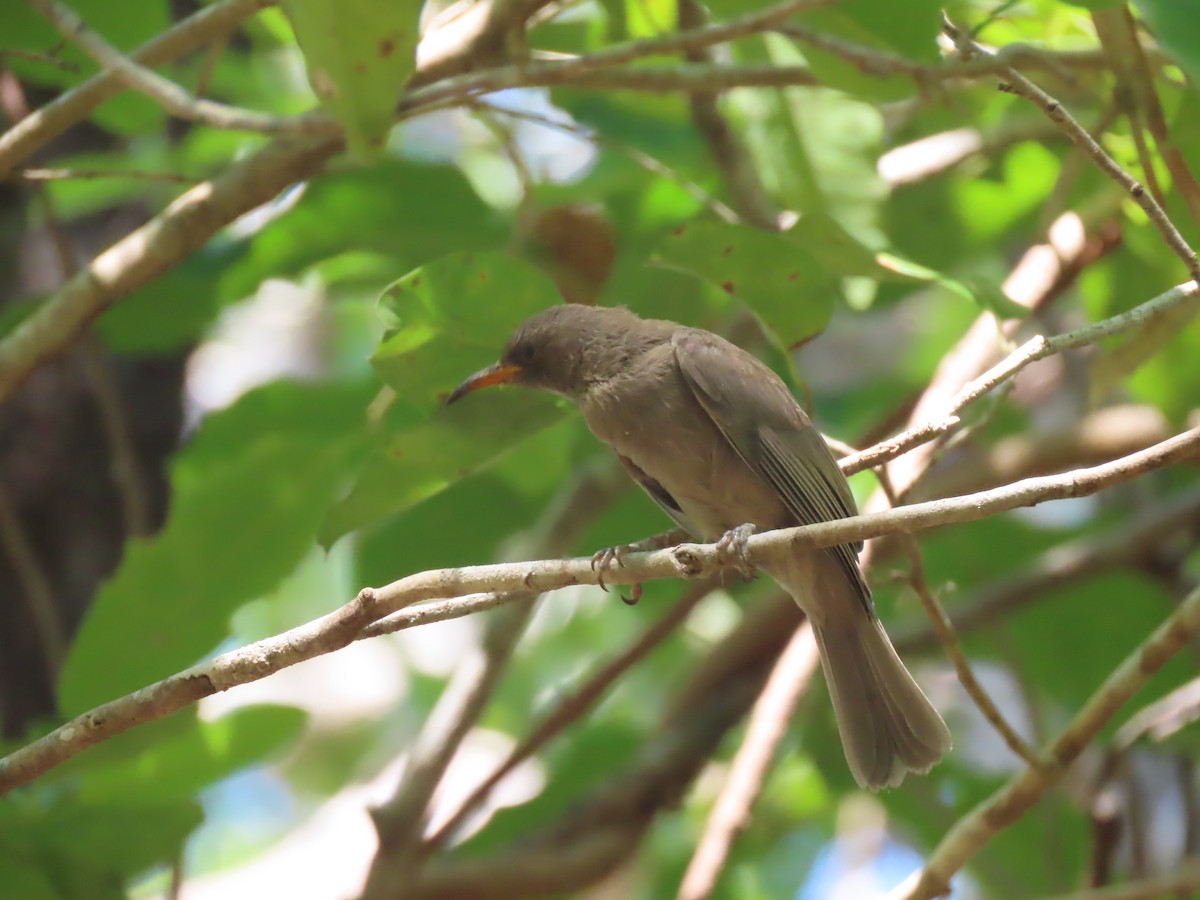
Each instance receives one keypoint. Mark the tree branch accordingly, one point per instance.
(1182, 883)
(403, 818)
(171, 96)
(147, 252)
(1038, 347)
(574, 705)
(43, 125)
(1175, 520)
(258, 660)
(948, 637)
(1008, 804)
(768, 724)
(1019, 84)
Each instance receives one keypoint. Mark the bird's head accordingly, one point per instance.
(564, 349)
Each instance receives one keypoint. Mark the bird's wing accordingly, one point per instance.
(761, 419)
(658, 494)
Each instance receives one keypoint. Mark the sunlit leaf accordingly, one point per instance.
(239, 523)
(775, 276)
(358, 53)
(450, 318)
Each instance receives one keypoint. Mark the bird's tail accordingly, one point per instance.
(887, 724)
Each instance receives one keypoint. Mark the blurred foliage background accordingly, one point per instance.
(245, 440)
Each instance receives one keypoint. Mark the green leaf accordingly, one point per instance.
(648, 18)
(774, 275)
(240, 521)
(184, 763)
(452, 317)
(471, 518)
(987, 296)
(409, 211)
(110, 842)
(418, 461)
(992, 207)
(174, 309)
(910, 30)
(24, 878)
(1096, 4)
(1176, 25)
(358, 53)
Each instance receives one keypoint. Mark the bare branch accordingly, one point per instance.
(1184, 882)
(35, 588)
(403, 818)
(687, 560)
(768, 724)
(40, 127)
(1019, 84)
(147, 252)
(1176, 520)
(1044, 270)
(1035, 348)
(573, 705)
(1163, 717)
(1010, 802)
(948, 638)
(40, 174)
(171, 96)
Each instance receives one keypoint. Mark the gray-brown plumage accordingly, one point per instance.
(718, 441)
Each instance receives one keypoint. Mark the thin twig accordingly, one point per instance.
(1182, 883)
(171, 96)
(37, 174)
(768, 724)
(211, 57)
(1176, 519)
(36, 590)
(741, 178)
(1018, 84)
(1036, 348)
(948, 638)
(639, 157)
(603, 829)
(152, 249)
(49, 57)
(881, 64)
(1010, 802)
(124, 464)
(1042, 273)
(402, 820)
(572, 706)
(1147, 97)
(324, 635)
(42, 126)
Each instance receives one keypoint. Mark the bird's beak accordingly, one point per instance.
(497, 373)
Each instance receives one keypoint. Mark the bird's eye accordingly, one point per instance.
(523, 354)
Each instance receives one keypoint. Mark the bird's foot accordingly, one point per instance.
(604, 560)
(732, 547)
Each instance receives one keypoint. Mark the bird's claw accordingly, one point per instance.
(603, 561)
(732, 546)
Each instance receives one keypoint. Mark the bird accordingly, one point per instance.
(717, 440)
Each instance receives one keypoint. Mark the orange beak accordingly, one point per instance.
(497, 373)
